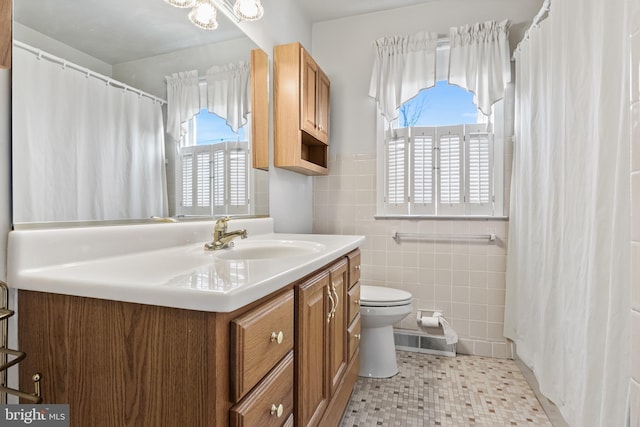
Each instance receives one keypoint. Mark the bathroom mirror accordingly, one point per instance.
(128, 48)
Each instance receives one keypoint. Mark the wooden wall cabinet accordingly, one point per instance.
(290, 357)
(301, 111)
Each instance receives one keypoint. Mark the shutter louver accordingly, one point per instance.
(450, 167)
(396, 176)
(478, 175)
(422, 170)
(479, 170)
(219, 181)
(187, 180)
(237, 178)
(203, 180)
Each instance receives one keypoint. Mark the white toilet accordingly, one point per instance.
(380, 308)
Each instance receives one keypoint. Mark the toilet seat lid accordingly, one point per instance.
(379, 296)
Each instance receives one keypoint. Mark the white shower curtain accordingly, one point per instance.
(568, 284)
(82, 149)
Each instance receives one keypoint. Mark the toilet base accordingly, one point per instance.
(377, 353)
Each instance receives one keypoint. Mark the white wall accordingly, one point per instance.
(465, 280)
(54, 47)
(148, 74)
(290, 194)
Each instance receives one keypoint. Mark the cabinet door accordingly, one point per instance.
(309, 91)
(322, 116)
(338, 324)
(312, 349)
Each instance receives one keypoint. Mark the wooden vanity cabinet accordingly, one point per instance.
(326, 360)
(301, 111)
(288, 358)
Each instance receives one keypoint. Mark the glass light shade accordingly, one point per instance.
(182, 4)
(203, 15)
(248, 10)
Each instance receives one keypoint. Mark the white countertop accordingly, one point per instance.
(166, 264)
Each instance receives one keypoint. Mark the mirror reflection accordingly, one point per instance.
(126, 111)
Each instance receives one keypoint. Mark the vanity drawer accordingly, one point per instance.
(354, 267)
(354, 337)
(354, 301)
(271, 403)
(259, 339)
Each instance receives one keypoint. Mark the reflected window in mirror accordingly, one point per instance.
(215, 168)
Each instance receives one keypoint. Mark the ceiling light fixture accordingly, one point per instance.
(248, 10)
(203, 12)
(203, 15)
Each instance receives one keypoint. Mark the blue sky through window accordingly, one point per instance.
(213, 129)
(441, 105)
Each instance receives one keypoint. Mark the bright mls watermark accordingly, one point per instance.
(34, 415)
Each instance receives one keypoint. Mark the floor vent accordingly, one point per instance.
(423, 343)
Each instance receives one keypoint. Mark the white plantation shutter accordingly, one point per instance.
(422, 170)
(203, 180)
(396, 172)
(187, 181)
(238, 178)
(195, 185)
(479, 161)
(219, 180)
(450, 170)
(215, 179)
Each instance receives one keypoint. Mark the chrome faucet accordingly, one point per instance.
(222, 239)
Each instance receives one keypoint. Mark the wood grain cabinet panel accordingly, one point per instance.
(270, 404)
(312, 349)
(338, 325)
(259, 339)
(354, 301)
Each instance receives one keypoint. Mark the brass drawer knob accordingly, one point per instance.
(357, 336)
(277, 337)
(277, 410)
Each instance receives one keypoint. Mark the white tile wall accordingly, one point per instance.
(465, 280)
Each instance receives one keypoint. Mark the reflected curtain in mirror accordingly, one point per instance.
(95, 150)
(228, 93)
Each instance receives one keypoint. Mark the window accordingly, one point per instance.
(214, 176)
(436, 159)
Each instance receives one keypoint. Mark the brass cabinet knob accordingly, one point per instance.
(357, 336)
(357, 302)
(277, 410)
(357, 267)
(277, 337)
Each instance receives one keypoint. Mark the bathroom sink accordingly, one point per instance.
(269, 249)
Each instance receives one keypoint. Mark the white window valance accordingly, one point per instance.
(403, 65)
(479, 61)
(228, 93)
(183, 101)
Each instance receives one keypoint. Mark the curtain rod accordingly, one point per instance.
(108, 80)
(540, 16)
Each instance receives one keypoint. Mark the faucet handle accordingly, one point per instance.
(222, 222)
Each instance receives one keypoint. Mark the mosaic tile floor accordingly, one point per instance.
(445, 391)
